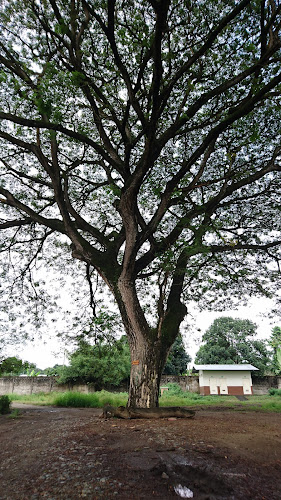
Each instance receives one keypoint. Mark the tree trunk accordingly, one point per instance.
(148, 361)
(149, 347)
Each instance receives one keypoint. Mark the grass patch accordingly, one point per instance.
(14, 414)
(42, 398)
(173, 397)
(92, 400)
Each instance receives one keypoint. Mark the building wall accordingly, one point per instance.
(225, 382)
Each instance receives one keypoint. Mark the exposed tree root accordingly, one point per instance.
(122, 412)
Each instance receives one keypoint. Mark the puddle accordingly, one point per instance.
(202, 480)
(183, 491)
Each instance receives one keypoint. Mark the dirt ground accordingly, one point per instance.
(54, 453)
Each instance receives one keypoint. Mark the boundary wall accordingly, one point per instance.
(35, 385)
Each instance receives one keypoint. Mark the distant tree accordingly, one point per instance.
(103, 363)
(55, 370)
(15, 366)
(232, 341)
(11, 365)
(275, 343)
(177, 360)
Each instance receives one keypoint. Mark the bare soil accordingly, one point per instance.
(58, 453)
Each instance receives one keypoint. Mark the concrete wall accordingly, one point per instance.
(261, 385)
(35, 385)
(190, 384)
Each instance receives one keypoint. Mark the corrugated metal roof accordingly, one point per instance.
(241, 367)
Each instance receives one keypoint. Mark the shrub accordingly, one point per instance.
(176, 391)
(4, 405)
(274, 392)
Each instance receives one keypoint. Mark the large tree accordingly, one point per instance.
(233, 341)
(147, 135)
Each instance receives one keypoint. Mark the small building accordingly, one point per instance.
(234, 380)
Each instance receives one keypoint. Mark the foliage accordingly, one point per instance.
(275, 343)
(176, 363)
(174, 390)
(4, 405)
(101, 364)
(109, 363)
(232, 341)
(15, 366)
(54, 371)
(141, 139)
(274, 392)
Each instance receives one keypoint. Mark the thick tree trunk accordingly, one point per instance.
(149, 347)
(147, 361)
(147, 355)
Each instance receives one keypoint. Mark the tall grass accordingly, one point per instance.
(93, 400)
(75, 399)
(173, 397)
(42, 398)
(273, 406)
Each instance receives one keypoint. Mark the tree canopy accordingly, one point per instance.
(143, 140)
(101, 364)
(15, 366)
(275, 343)
(232, 341)
(178, 359)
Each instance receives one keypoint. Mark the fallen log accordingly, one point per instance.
(162, 412)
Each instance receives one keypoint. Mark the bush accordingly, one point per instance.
(4, 405)
(175, 390)
(274, 392)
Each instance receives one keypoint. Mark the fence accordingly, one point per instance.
(35, 385)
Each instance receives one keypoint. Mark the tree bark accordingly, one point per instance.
(122, 412)
(148, 361)
(148, 352)
(149, 347)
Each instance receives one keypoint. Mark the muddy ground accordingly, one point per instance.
(55, 453)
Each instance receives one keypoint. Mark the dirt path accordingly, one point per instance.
(56, 453)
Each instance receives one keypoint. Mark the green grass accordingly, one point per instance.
(173, 397)
(74, 399)
(14, 414)
(42, 398)
(93, 400)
